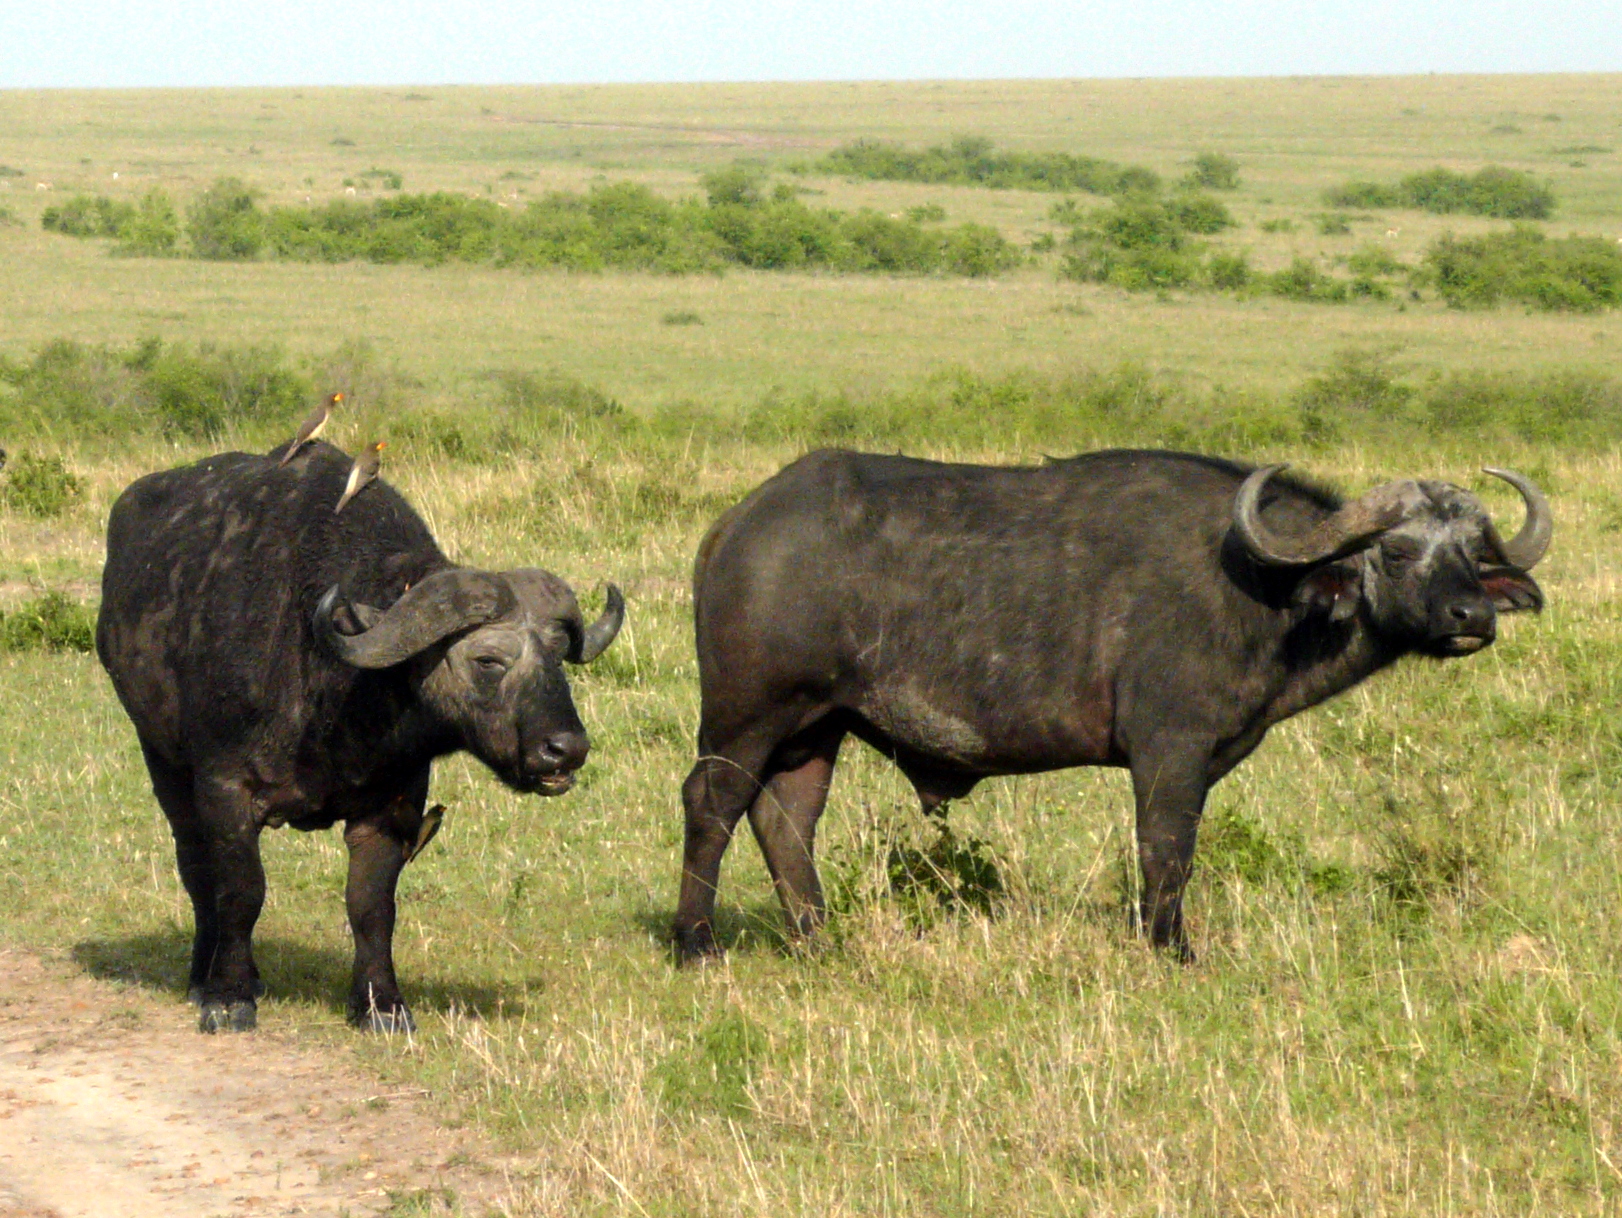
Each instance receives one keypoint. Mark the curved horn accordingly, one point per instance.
(1532, 542)
(1344, 532)
(442, 604)
(595, 638)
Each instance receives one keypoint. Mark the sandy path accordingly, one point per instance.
(111, 1106)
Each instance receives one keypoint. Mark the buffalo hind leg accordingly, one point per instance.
(722, 785)
(377, 850)
(225, 851)
(784, 819)
(1169, 781)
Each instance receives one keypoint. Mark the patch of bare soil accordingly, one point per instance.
(113, 1106)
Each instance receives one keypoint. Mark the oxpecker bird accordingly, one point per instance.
(431, 820)
(311, 427)
(362, 472)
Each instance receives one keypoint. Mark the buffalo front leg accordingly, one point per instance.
(222, 853)
(377, 852)
(784, 819)
(1169, 781)
(173, 787)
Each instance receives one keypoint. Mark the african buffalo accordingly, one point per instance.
(288, 665)
(1152, 610)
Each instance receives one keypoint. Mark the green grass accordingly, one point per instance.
(1408, 996)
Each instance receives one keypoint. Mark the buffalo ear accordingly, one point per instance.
(1333, 590)
(1511, 589)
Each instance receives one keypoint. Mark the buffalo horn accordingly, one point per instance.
(1344, 532)
(441, 605)
(595, 638)
(1532, 542)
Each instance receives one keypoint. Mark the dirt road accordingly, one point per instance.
(111, 1106)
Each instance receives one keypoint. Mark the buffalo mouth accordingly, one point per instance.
(553, 784)
(1460, 644)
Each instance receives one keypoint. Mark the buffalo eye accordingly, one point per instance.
(1398, 554)
(494, 665)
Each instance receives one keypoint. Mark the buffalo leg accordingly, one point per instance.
(1169, 781)
(784, 818)
(376, 855)
(226, 851)
(718, 791)
(173, 787)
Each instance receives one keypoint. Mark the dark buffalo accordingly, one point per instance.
(284, 664)
(1151, 610)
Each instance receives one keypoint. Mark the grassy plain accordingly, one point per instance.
(1408, 999)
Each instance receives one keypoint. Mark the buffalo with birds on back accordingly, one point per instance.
(1155, 611)
(287, 665)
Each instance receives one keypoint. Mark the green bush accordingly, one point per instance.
(40, 486)
(153, 230)
(87, 216)
(152, 388)
(1564, 274)
(224, 223)
(1334, 225)
(973, 161)
(1508, 194)
(1213, 171)
(1303, 280)
(49, 623)
(1198, 213)
(1228, 271)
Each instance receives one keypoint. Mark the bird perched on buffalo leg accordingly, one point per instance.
(361, 473)
(426, 832)
(311, 427)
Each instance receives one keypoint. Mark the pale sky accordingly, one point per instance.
(94, 43)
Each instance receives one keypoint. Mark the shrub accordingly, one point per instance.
(682, 317)
(151, 388)
(977, 250)
(389, 178)
(1213, 171)
(1198, 213)
(973, 161)
(1508, 194)
(1334, 225)
(951, 873)
(152, 230)
(1302, 280)
(1570, 274)
(87, 216)
(1228, 271)
(40, 486)
(49, 623)
(1373, 260)
(224, 223)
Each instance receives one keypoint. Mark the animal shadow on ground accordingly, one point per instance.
(292, 971)
(738, 928)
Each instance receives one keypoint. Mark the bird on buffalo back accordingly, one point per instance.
(311, 428)
(361, 473)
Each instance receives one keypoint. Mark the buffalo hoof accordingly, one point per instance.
(228, 1017)
(396, 1019)
(696, 945)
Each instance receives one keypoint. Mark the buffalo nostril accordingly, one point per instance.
(565, 749)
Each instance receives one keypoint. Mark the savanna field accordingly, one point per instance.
(586, 321)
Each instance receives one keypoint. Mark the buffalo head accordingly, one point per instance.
(1421, 559)
(486, 651)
